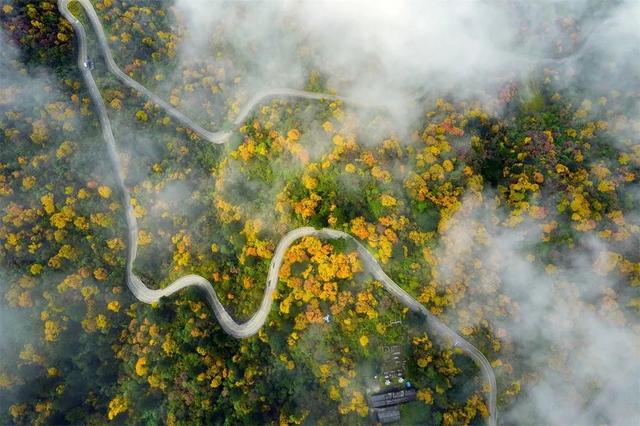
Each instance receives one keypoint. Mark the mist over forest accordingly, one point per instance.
(483, 155)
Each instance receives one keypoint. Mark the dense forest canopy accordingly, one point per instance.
(493, 174)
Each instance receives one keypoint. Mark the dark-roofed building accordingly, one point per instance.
(385, 415)
(391, 397)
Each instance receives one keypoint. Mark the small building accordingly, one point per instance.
(385, 407)
(385, 415)
(391, 397)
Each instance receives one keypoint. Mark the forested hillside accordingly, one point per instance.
(511, 214)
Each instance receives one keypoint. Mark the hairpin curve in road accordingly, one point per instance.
(228, 324)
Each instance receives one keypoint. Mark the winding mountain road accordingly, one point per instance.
(228, 324)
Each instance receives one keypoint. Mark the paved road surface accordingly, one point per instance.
(228, 324)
